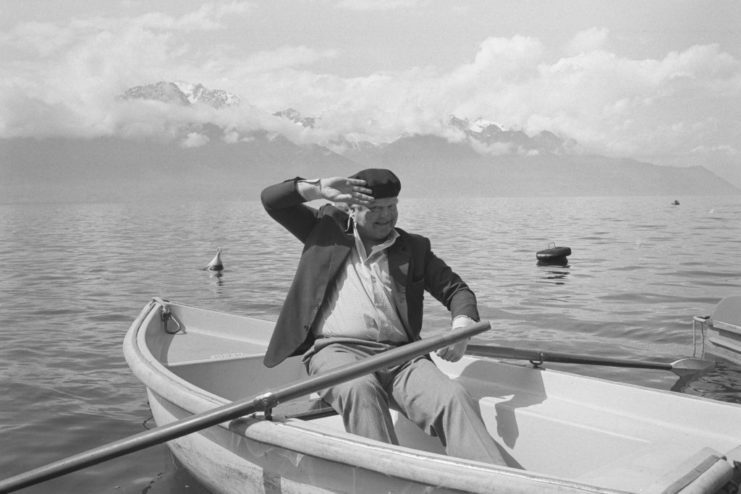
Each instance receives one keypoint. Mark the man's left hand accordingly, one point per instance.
(455, 352)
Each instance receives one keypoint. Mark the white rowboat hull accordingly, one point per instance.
(572, 434)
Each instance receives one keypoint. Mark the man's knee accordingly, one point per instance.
(359, 391)
(454, 394)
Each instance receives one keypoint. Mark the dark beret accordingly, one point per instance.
(382, 182)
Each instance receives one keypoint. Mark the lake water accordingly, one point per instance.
(75, 276)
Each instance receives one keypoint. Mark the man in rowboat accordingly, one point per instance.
(358, 291)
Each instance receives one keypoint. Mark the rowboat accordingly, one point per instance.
(719, 334)
(571, 434)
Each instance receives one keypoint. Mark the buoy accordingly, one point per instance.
(676, 202)
(553, 255)
(216, 264)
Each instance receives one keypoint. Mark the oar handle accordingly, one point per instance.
(194, 423)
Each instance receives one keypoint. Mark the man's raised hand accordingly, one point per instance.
(348, 190)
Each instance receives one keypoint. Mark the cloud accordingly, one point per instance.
(588, 40)
(194, 140)
(208, 17)
(379, 5)
(43, 38)
(64, 79)
(49, 39)
(287, 56)
(724, 149)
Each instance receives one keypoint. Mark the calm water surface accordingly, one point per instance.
(76, 275)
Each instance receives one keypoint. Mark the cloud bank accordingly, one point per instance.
(65, 79)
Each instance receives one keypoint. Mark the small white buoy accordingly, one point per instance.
(216, 264)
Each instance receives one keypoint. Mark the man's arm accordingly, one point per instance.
(445, 285)
(284, 202)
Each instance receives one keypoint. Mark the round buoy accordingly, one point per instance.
(553, 255)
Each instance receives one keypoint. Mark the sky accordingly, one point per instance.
(657, 80)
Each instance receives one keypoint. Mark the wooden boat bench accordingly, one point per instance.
(200, 347)
(655, 473)
(195, 352)
(307, 408)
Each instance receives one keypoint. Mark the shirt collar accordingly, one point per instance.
(376, 248)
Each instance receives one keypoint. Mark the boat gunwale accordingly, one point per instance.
(155, 372)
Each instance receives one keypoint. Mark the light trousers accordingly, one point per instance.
(421, 391)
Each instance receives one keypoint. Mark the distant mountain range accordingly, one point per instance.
(478, 159)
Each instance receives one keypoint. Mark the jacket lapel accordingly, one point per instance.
(399, 258)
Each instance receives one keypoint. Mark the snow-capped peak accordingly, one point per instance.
(182, 93)
(198, 93)
(481, 124)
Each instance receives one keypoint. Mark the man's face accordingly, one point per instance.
(376, 221)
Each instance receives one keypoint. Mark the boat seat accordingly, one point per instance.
(195, 347)
(306, 408)
(654, 472)
(315, 408)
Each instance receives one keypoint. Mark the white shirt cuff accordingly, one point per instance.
(462, 321)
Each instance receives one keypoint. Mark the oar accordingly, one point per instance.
(680, 367)
(263, 402)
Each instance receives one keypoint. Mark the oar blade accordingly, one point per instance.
(687, 366)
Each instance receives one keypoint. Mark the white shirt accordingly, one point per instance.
(360, 301)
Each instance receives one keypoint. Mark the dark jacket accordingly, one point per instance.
(327, 244)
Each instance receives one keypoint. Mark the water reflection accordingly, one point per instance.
(557, 272)
(216, 274)
(719, 382)
(561, 261)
